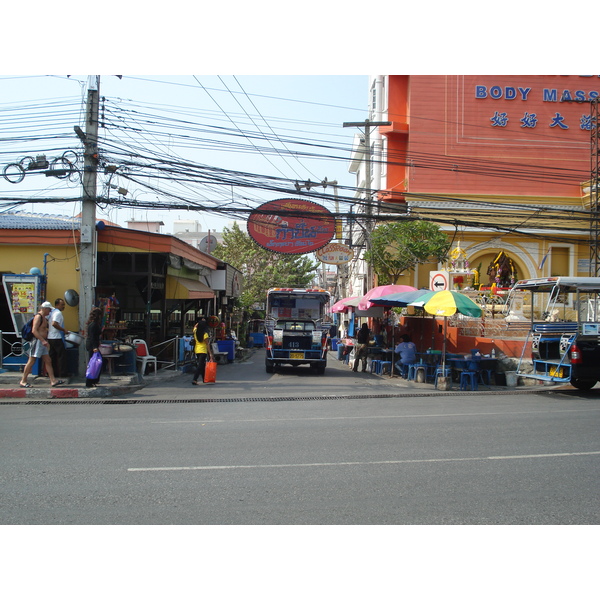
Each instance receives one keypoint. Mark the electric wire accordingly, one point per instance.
(183, 177)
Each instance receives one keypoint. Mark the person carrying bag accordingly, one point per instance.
(202, 350)
(92, 345)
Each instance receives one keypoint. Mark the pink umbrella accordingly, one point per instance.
(382, 290)
(340, 306)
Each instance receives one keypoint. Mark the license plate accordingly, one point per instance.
(297, 355)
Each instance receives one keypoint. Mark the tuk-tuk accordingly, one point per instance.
(564, 331)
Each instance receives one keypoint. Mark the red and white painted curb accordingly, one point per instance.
(61, 393)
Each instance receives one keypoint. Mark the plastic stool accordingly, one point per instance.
(384, 365)
(469, 378)
(412, 371)
(442, 372)
(375, 366)
(430, 372)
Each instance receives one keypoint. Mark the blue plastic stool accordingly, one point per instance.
(469, 378)
(430, 372)
(412, 371)
(442, 372)
(384, 365)
(375, 366)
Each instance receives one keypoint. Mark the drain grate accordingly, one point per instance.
(129, 401)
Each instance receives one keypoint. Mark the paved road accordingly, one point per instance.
(352, 452)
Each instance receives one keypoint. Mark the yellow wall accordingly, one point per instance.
(527, 253)
(60, 270)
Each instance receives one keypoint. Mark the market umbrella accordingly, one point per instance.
(402, 299)
(446, 303)
(399, 298)
(341, 306)
(382, 290)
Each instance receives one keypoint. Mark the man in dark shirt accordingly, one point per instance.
(362, 347)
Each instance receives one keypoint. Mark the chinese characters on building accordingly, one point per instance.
(500, 119)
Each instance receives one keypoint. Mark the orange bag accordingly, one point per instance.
(210, 372)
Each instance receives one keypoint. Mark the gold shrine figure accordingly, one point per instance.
(462, 276)
(458, 260)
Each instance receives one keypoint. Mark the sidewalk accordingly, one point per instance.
(527, 386)
(120, 385)
(74, 387)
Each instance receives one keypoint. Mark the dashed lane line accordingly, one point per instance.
(362, 463)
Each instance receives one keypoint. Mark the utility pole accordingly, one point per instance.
(594, 269)
(368, 191)
(88, 246)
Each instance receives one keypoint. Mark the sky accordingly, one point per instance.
(250, 120)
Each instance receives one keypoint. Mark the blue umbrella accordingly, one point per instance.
(400, 298)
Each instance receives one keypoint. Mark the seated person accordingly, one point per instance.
(407, 352)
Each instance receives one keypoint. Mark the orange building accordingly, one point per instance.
(501, 162)
(495, 135)
(498, 161)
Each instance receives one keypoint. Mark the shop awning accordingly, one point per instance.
(179, 288)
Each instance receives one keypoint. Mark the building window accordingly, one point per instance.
(559, 261)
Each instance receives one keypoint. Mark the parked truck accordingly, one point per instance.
(297, 328)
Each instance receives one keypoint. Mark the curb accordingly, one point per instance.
(62, 393)
(79, 391)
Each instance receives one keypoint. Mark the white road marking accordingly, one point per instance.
(344, 418)
(360, 463)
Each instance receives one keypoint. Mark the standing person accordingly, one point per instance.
(92, 340)
(56, 339)
(40, 347)
(362, 347)
(407, 351)
(202, 348)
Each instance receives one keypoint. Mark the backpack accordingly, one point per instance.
(27, 330)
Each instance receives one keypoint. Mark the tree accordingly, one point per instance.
(261, 268)
(399, 246)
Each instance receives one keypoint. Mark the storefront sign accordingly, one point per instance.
(291, 226)
(533, 98)
(498, 92)
(335, 254)
(23, 298)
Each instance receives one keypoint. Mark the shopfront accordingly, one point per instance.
(150, 286)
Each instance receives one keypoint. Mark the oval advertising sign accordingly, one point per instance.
(335, 254)
(291, 226)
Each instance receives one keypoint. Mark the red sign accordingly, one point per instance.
(291, 226)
